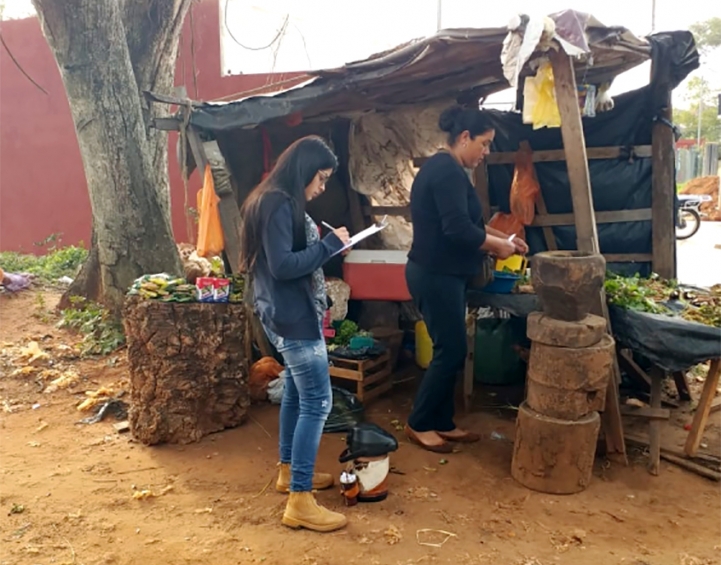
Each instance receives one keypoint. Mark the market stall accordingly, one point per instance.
(380, 115)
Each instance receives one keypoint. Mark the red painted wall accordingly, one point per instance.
(42, 183)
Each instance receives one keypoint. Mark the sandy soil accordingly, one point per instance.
(66, 490)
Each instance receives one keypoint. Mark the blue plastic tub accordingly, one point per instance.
(503, 283)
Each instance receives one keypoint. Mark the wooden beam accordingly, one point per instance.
(548, 234)
(551, 155)
(703, 409)
(654, 426)
(480, 181)
(574, 144)
(612, 217)
(681, 381)
(167, 124)
(228, 205)
(663, 191)
(627, 257)
(541, 220)
(404, 211)
(646, 412)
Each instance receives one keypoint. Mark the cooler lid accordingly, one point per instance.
(382, 256)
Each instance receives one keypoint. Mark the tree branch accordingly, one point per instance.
(19, 66)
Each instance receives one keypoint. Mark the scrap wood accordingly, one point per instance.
(448, 535)
(693, 467)
(699, 464)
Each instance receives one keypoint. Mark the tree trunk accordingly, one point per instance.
(152, 31)
(188, 369)
(125, 162)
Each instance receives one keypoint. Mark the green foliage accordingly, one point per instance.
(347, 331)
(699, 91)
(102, 334)
(635, 293)
(707, 34)
(48, 268)
(687, 120)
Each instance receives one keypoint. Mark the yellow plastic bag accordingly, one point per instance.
(210, 231)
(540, 107)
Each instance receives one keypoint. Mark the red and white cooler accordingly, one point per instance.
(377, 275)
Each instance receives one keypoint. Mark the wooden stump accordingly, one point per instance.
(549, 331)
(188, 369)
(568, 282)
(569, 383)
(554, 456)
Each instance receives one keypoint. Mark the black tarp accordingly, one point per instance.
(671, 343)
(617, 184)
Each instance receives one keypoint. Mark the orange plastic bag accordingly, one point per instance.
(261, 373)
(525, 187)
(210, 231)
(508, 224)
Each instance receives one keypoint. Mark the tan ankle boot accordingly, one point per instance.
(321, 481)
(302, 511)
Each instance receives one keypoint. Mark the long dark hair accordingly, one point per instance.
(293, 172)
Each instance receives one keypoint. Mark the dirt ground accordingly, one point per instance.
(66, 490)
(710, 187)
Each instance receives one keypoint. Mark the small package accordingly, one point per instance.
(221, 290)
(206, 289)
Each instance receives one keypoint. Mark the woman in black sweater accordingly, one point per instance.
(449, 242)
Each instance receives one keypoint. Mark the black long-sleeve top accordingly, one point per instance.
(447, 218)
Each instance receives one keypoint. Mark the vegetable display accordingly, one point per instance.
(666, 297)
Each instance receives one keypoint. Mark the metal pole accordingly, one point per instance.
(698, 130)
(653, 16)
(439, 15)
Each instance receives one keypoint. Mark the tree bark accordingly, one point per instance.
(125, 161)
(152, 31)
(131, 221)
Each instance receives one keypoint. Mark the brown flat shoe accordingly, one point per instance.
(440, 448)
(466, 437)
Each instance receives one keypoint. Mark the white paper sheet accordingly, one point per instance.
(361, 235)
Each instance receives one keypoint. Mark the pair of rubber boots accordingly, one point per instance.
(302, 510)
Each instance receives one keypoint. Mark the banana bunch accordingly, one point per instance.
(237, 288)
(163, 287)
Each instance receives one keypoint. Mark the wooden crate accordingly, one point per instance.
(372, 376)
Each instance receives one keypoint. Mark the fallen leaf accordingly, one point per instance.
(17, 509)
(392, 535)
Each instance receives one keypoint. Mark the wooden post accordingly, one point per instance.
(574, 144)
(585, 220)
(230, 220)
(228, 205)
(654, 426)
(663, 186)
(703, 409)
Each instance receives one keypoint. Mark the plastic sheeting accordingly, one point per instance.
(617, 184)
(670, 343)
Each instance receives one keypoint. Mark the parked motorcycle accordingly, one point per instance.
(688, 219)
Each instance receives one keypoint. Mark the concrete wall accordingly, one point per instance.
(42, 183)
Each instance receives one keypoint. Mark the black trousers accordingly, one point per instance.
(441, 300)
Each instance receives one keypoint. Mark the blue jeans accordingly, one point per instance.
(307, 400)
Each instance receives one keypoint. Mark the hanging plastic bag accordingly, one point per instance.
(210, 231)
(525, 187)
(508, 224)
(539, 106)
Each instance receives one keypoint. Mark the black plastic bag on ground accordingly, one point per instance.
(346, 412)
